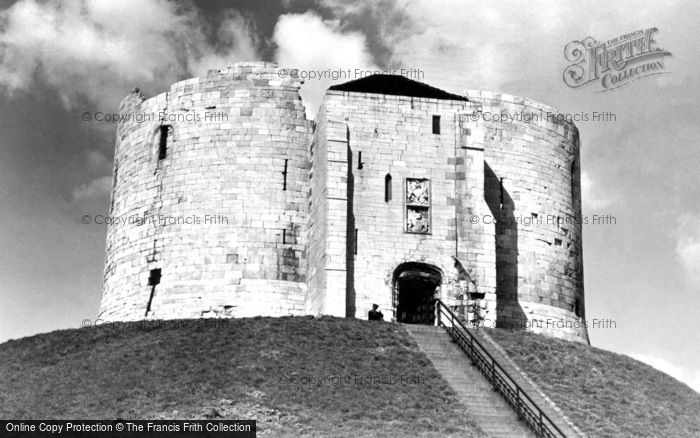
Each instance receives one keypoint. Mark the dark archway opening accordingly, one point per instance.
(415, 290)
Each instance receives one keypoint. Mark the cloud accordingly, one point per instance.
(307, 42)
(96, 189)
(688, 246)
(99, 50)
(591, 194)
(689, 377)
(493, 47)
(384, 22)
(236, 41)
(93, 52)
(97, 162)
(456, 46)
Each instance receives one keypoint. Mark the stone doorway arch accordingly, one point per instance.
(415, 286)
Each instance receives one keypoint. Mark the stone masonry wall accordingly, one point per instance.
(532, 184)
(505, 201)
(393, 135)
(228, 205)
(227, 235)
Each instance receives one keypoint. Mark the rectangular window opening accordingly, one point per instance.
(436, 124)
(387, 188)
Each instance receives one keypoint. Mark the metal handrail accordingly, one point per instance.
(515, 396)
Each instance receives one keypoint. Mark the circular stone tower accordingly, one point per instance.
(209, 199)
(532, 185)
(401, 194)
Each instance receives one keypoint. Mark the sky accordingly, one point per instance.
(58, 61)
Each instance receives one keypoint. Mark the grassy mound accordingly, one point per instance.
(604, 393)
(302, 376)
(295, 375)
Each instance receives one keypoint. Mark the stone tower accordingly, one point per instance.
(396, 194)
(219, 173)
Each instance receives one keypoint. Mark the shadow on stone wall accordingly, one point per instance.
(509, 313)
(350, 240)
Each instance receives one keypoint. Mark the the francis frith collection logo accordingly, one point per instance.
(614, 63)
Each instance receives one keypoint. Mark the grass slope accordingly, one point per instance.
(605, 394)
(243, 368)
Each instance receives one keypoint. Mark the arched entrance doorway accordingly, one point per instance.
(415, 288)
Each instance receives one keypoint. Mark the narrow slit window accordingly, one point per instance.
(163, 144)
(359, 160)
(387, 187)
(355, 241)
(114, 186)
(436, 124)
(284, 174)
(502, 191)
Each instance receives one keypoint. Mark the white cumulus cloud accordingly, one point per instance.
(688, 246)
(96, 189)
(94, 52)
(592, 195)
(236, 41)
(99, 50)
(309, 43)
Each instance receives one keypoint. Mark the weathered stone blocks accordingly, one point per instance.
(249, 209)
(223, 212)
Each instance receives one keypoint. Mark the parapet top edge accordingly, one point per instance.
(330, 92)
(479, 95)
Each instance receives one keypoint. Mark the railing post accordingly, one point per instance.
(471, 350)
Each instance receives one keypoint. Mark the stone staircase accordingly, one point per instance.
(485, 405)
(534, 392)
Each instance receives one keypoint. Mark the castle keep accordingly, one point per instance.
(396, 194)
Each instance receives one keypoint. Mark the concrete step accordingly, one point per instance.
(484, 404)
